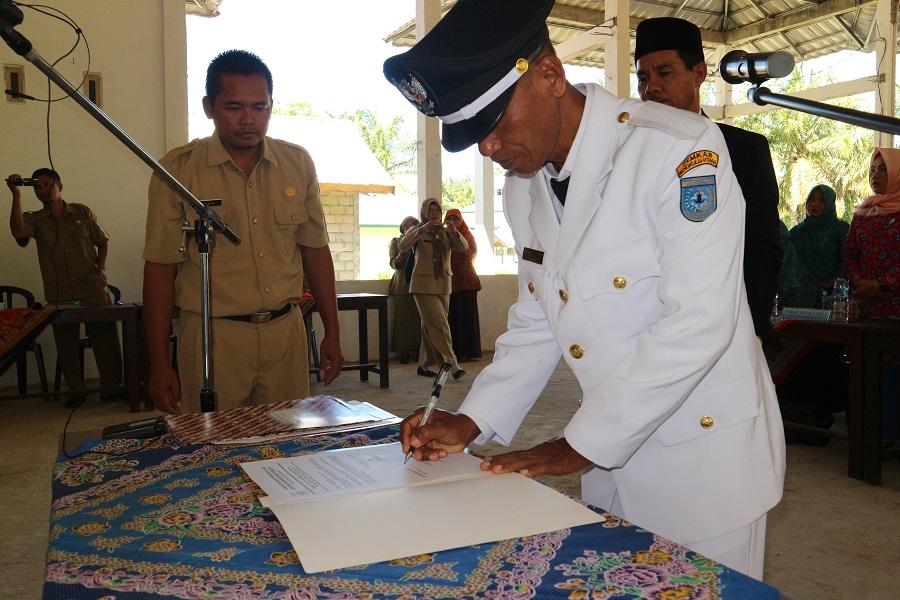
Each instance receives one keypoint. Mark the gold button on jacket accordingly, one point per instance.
(531, 287)
(624, 117)
(563, 296)
(576, 351)
(706, 422)
(619, 282)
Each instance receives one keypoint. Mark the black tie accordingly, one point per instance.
(560, 188)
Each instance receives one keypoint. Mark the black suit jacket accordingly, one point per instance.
(751, 162)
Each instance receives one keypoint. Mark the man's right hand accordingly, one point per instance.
(445, 433)
(165, 390)
(12, 187)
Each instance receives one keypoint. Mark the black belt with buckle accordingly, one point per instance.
(262, 316)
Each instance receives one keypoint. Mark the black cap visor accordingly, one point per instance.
(461, 135)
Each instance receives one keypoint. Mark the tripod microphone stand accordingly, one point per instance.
(207, 221)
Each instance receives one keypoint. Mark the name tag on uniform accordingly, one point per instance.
(532, 255)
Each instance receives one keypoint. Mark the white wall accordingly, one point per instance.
(139, 47)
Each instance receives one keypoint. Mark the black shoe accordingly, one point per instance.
(425, 372)
(458, 373)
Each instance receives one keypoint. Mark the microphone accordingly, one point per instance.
(15, 94)
(738, 66)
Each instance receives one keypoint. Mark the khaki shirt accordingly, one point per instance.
(67, 251)
(274, 210)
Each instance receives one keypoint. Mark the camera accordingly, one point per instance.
(27, 181)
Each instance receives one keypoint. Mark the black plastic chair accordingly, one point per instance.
(9, 294)
(83, 344)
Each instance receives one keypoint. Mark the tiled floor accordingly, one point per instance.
(830, 538)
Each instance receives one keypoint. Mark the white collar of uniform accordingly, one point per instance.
(569, 164)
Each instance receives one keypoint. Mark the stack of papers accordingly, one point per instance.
(355, 506)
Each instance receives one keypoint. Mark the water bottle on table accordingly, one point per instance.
(840, 309)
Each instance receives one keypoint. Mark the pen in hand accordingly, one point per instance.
(439, 382)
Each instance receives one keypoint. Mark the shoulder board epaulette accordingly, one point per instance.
(281, 142)
(679, 123)
(179, 151)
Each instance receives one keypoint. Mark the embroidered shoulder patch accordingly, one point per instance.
(698, 197)
(695, 159)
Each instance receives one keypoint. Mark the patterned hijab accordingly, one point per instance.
(818, 240)
(457, 258)
(888, 202)
(438, 252)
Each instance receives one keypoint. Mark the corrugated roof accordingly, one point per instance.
(804, 28)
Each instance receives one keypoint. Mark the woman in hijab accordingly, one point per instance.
(406, 334)
(430, 285)
(872, 250)
(463, 316)
(818, 240)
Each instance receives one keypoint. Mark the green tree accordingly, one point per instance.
(457, 193)
(395, 152)
(809, 150)
(295, 109)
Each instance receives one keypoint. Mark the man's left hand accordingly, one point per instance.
(331, 358)
(555, 457)
(98, 277)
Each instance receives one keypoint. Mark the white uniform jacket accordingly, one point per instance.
(648, 309)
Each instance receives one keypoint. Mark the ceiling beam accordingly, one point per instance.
(805, 16)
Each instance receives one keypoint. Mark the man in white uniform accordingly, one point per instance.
(629, 230)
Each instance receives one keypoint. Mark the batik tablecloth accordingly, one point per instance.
(162, 521)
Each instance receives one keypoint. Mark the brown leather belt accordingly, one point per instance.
(262, 316)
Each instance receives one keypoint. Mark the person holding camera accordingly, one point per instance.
(72, 249)
(431, 285)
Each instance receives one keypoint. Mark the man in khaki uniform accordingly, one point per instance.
(270, 197)
(72, 249)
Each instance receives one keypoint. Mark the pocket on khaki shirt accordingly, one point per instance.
(289, 215)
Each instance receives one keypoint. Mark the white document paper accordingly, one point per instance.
(343, 508)
(358, 529)
(353, 470)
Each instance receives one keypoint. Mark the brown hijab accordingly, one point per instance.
(438, 251)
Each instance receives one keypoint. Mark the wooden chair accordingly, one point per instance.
(83, 343)
(10, 295)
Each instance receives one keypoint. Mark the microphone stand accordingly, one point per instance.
(207, 220)
(763, 95)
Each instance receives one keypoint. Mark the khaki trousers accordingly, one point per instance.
(252, 363)
(437, 345)
(104, 339)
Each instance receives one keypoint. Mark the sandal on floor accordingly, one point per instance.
(425, 372)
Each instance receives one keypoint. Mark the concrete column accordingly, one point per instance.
(617, 54)
(886, 64)
(175, 92)
(724, 95)
(428, 154)
(483, 228)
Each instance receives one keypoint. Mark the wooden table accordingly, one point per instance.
(164, 519)
(19, 332)
(129, 315)
(362, 303)
(865, 343)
